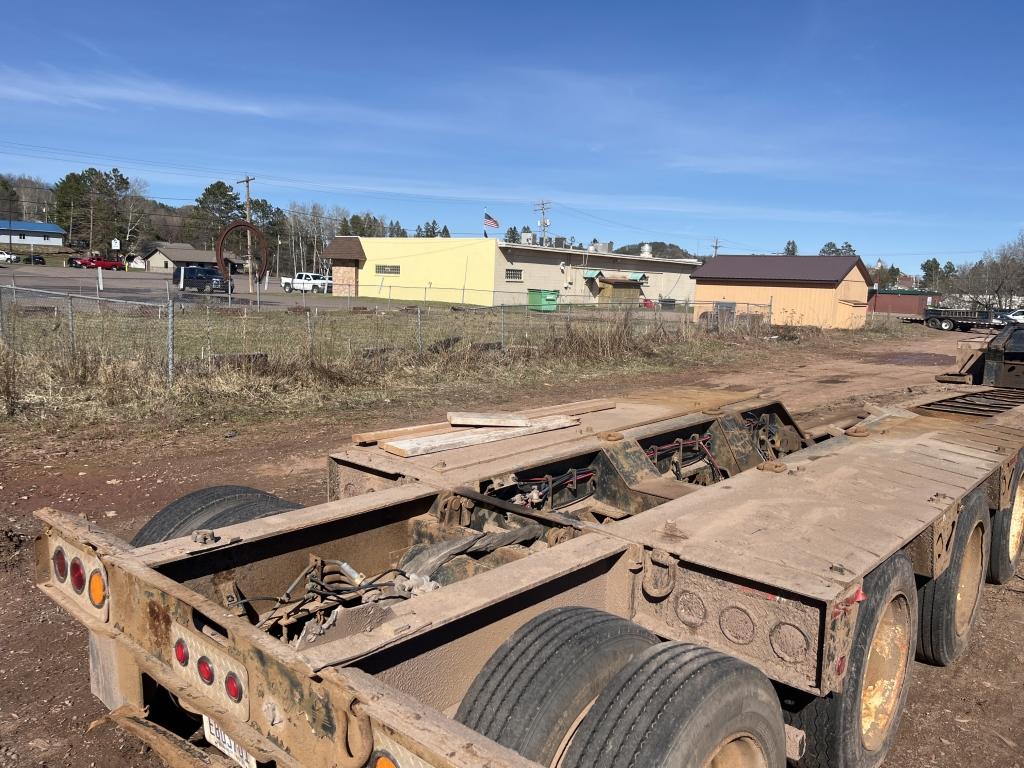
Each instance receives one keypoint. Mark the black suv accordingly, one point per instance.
(203, 279)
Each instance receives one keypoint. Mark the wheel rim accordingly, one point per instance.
(971, 576)
(1016, 524)
(739, 751)
(885, 673)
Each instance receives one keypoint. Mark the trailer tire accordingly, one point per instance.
(837, 735)
(932, 322)
(949, 602)
(946, 324)
(1008, 531)
(533, 691)
(209, 507)
(684, 706)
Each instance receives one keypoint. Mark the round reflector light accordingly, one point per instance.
(205, 669)
(181, 652)
(60, 564)
(233, 687)
(97, 589)
(77, 573)
(384, 761)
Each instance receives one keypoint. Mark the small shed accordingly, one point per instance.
(824, 291)
(901, 301)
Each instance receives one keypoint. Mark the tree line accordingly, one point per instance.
(96, 206)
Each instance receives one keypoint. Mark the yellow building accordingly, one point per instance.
(824, 291)
(489, 272)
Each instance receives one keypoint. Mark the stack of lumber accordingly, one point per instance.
(463, 429)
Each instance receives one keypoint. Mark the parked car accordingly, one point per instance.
(1013, 316)
(33, 260)
(8, 258)
(307, 281)
(203, 279)
(100, 262)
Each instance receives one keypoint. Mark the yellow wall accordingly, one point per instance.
(798, 305)
(445, 269)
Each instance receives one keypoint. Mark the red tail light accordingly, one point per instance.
(233, 687)
(77, 575)
(60, 564)
(205, 669)
(181, 652)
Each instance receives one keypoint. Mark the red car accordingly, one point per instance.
(98, 262)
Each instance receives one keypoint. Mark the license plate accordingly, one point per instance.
(216, 736)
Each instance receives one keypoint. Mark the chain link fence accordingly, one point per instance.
(81, 337)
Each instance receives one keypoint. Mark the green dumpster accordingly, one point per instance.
(542, 300)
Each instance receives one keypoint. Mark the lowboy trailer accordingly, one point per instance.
(689, 582)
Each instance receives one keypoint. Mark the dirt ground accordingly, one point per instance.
(970, 714)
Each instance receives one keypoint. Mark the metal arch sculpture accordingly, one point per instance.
(260, 246)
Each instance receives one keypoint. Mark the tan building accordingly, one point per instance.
(824, 291)
(489, 272)
(165, 257)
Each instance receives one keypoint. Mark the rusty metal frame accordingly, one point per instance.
(261, 244)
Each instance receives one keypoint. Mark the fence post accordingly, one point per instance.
(170, 343)
(419, 330)
(502, 307)
(3, 332)
(71, 324)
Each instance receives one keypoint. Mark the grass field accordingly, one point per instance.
(69, 360)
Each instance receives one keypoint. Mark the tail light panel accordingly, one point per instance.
(208, 669)
(79, 576)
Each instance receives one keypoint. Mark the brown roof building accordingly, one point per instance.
(824, 291)
(164, 257)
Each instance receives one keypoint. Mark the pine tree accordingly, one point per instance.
(829, 249)
(445, 232)
(790, 249)
(511, 235)
(419, 231)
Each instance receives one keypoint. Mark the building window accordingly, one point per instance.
(46, 237)
(21, 236)
(514, 275)
(388, 269)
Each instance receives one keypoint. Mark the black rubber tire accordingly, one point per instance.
(315, 289)
(674, 705)
(207, 508)
(946, 324)
(832, 724)
(534, 688)
(932, 323)
(288, 288)
(1002, 562)
(938, 642)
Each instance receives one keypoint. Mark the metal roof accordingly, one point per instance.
(183, 252)
(347, 247)
(781, 269)
(595, 254)
(42, 227)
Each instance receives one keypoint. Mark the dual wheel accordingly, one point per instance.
(579, 687)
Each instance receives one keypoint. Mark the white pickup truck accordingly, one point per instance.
(307, 281)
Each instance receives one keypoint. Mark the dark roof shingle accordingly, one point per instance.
(781, 269)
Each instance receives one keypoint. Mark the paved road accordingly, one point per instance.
(153, 287)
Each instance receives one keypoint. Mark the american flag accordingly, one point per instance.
(490, 221)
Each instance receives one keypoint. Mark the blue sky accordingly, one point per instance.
(896, 126)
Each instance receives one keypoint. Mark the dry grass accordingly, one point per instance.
(284, 364)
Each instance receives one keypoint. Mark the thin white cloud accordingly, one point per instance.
(106, 90)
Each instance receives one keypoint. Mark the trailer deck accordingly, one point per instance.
(713, 520)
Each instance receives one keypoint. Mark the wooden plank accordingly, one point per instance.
(417, 446)
(443, 427)
(493, 419)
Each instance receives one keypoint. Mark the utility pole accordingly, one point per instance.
(248, 234)
(714, 248)
(542, 208)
